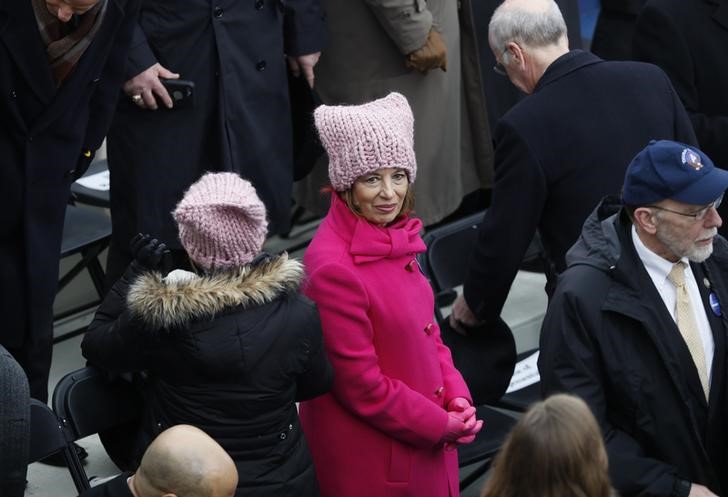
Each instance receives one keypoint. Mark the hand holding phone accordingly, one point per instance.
(181, 91)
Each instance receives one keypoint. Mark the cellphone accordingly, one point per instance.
(182, 92)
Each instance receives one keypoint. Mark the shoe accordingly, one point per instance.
(57, 459)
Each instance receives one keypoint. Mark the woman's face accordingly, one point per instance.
(379, 195)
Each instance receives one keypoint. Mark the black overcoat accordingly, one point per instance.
(608, 338)
(234, 53)
(230, 353)
(689, 41)
(558, 152)
(44, 133)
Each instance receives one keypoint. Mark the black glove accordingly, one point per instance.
(148, 252)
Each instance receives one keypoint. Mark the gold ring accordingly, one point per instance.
(136, 98)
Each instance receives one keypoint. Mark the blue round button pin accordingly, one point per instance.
(714, 304)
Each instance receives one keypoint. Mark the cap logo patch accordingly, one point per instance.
(691, 159)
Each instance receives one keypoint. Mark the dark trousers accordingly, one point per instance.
(34, 356)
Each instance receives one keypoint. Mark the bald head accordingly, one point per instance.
(184, 461)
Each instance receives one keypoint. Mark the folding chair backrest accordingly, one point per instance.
(88, 402)
(448, 247)
(47, 437)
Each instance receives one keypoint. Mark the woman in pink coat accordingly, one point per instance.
(398, 406)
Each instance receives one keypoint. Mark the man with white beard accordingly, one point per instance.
(636, 327)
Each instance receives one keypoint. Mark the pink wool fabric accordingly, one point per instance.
(360, 139)
(222, 222)
(377, 433)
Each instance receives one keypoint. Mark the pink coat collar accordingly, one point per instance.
(368, 242)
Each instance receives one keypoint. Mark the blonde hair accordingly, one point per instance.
(555, 450)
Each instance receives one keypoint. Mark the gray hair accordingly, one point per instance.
(533, 28)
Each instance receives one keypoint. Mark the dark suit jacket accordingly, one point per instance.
(689, 41)
(112, 488)
(558, 152)
(44, 132)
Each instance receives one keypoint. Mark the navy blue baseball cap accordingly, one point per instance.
(667, 169)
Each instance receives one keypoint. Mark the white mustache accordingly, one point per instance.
(711, 233)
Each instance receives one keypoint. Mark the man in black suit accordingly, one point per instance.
(688, 39)
(62, 67)
(561, 149)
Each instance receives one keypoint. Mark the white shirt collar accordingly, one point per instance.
(658, 267)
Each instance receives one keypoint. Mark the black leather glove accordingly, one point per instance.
(148, 252)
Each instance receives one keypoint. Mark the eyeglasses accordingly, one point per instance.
(697, 215)
(499, 68)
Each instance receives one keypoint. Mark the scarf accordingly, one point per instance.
(66, 42)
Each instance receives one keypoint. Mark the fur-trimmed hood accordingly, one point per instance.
(183, 297)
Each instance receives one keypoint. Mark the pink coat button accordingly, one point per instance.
(429, 328)
(440, 391)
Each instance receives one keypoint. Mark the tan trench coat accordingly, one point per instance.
(365, 60)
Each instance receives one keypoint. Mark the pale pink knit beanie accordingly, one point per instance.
(360, 139)
(222, 222)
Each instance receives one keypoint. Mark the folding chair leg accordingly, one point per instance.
(75, 467)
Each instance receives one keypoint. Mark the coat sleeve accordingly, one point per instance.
(114, 340)
(103, 102)
(360, 386)
(318, 375)
(304, 27)
(407, 22)
(658, 40)
(141, 56)
(569, 361)
(519, 194)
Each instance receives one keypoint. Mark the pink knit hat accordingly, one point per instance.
(360, 139)
(222, 221)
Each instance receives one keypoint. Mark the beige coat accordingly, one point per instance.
(365, 60)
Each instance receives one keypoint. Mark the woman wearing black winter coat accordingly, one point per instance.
(228, 349)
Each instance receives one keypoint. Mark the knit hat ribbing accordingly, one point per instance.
(360, 139)
(222, 222)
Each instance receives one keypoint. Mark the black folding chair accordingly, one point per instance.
(446, 264)
(88, 402)
(47, 437)
(86, 232)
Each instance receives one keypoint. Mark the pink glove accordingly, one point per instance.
(466, 439)
(458, 404)
(461, 407)
(454, 427)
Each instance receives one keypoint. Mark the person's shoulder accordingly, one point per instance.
(630, 68)
(674, 9)
(582, 283)
(719, 257)
(326, 247)
(115, 487)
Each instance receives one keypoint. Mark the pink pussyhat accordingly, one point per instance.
(222, 222)
(360, 139)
